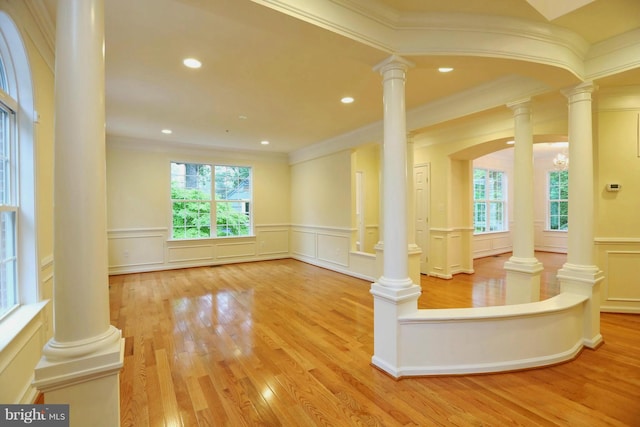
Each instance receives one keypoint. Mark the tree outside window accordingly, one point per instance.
(489, 201)
(558, 199)
(194, 209)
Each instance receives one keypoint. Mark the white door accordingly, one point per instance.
(421, 188)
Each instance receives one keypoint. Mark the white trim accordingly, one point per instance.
(616, 240)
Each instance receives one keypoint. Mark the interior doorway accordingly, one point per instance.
(421, 187)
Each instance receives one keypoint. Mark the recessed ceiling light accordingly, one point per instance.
(510, 142)
(445, 69)
(242, 117)
(347, 100)
(192, 63)
(264, 142)
(167, 131)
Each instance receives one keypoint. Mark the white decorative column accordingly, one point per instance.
(580, 274)
(414, 250)
(394, 293)
(81, 363)
(523, 269)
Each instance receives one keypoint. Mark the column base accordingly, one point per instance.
(413, 252)
(388, 305)
(585, 280)
(87, 381)
(523, 280)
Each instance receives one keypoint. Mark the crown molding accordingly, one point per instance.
(43, 32)
(409, 34)
(612, 56)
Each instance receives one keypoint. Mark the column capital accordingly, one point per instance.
(525, 102)
(580, 92)
(521, 106)
(393, 63)
(410, 136)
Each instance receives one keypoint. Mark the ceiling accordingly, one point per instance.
(267, 75)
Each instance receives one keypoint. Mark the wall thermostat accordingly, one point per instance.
(614, 187)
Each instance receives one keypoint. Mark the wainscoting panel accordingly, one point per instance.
(437, 256)
(549, 241)
(333, 249)
(190, 253)
(273, 242)
(490, 244)
(136, 247)
(141, 250)
(303, 243)
(619, 259)
(236, 250)
(455, 253)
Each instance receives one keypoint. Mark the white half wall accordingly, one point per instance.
(489, 339)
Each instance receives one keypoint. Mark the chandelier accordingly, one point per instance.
(561, 161)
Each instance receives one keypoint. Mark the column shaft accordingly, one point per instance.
(580, 274)
(80, 247)
(523, 269)
(81, 363)
(523, 243)
(581, 198)
(395, 263)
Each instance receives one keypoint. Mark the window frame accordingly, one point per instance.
(18, 81)
(9, 202)
(213, 201)
(488, 202)
(560, 201)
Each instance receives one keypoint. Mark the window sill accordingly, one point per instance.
(15, 322)
(546, 230)
(201, 239)
(490, 232)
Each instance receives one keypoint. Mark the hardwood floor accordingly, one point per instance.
(283, 343)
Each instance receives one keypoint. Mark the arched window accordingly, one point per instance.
(18, 265)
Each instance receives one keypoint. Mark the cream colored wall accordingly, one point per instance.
(43, 77)
(139, 212)
(321, 191)
(21, 353)
(617, 233)
(322, 203)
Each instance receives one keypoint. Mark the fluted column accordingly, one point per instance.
(81, 362)
(523, 269)
(580, 274)
(394, 293)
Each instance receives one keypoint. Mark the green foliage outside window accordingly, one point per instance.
(192, 200)
(559, 200)
(488, 201)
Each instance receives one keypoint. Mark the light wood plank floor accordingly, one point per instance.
(283, 343)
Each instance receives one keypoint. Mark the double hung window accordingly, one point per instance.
(558, 200)
(8, 199)
(489, 201)
(210, 200)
